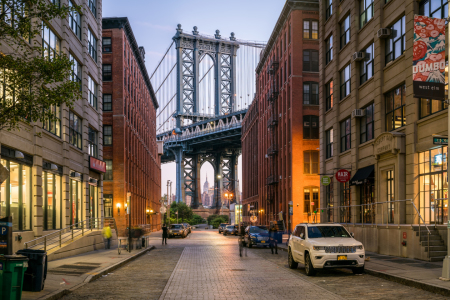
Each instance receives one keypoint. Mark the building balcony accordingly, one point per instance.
(272, 150)
(272, 122)
(271, 180)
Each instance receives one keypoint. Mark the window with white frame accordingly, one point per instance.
(366, 65)
(92, 92)
(92, 40)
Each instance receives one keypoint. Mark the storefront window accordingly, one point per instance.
(433, 185)
(367, 191)
(329, 201)
(346, 212)
(108, 205)
(76, 205)
(93, 201)
(390, 195)
(16, 199)
(52, 201)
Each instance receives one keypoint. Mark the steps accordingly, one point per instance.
(432, 242)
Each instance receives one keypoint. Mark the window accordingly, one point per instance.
(433, 185)
(311, 60)
(311, 93)
(93, 7)
(107, 135)
(75, 21)
(311, 162)
(92, 45)
(16, 195)
(329, 95)
(366, 65)
(367, 124)
(107, 73)
(366, 12)
(434, 8)
(329, 143)
(395, 45)
(346, 211)
(54, 126)
(395, 108)
(329, 201)
(345, 135)
(92, 142)
(92, 92)
(311, 29)
(76, 202)
(329, 10)
(51, 45)
(345, 31)
(107, 102)
(390, 195)
(311, 201)
(367, 196)
(108, 205)
(310, 127)
(76, 70)
(429, 106)
(109, 170)
(345, 82)
(329, 50)
(75, 130)
(52, 201)
(106, 42)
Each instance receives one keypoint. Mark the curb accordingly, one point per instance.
(59, 294)
(403, 280)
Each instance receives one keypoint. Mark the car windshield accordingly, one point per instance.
(223, 224)
(259, 229)
(176, 226)
(327, 232)
(230, 227)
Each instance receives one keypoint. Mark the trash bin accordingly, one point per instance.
(12, 268)
(36, 273)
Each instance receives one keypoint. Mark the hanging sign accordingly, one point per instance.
(326, 180)
(429, 58)
(342, 175)
(440, 141)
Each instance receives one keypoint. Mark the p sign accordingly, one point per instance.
(3, 230)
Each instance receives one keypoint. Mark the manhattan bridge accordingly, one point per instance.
(204, 85)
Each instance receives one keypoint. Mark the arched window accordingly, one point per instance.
(311, 93)
(311, 162)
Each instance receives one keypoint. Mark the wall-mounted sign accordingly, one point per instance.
(342, 175)
(429, 58)
(6, 240)
(325, 180)
(440, 141)
(291, 208)
(97, 164)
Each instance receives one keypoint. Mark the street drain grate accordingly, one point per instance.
(75, 269)
(238, 270)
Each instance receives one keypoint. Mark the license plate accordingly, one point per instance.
(342, 257)
(175, 233)
(263, 242)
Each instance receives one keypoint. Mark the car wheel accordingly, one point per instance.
(309, 269)
(358, 271)
(291, 262)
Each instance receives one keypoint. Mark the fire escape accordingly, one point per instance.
(272, 151)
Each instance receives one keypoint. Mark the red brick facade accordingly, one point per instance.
(274, 141)
(136, 166)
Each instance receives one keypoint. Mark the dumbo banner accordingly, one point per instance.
(429, 58)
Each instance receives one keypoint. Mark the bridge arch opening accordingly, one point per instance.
(207, 85)
(207, 175)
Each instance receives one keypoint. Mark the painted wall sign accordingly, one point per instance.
(429, 58)
(342, 175)
(97, 164)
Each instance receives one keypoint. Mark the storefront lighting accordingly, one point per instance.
(18, 154)
(118, 209)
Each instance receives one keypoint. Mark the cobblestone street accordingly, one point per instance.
(207, 265)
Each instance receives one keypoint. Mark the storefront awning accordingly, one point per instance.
(362, 175)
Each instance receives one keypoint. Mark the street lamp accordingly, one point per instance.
(118, 209)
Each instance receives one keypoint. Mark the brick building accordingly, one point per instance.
(129, 113)
(280, 143)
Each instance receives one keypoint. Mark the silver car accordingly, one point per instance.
(177, 230)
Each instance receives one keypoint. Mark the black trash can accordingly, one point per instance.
(36, 273)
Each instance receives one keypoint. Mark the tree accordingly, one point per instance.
(33, 79)
(196, 219)
(184, 211)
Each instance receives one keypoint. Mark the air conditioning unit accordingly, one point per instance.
(75, 175)
(357, 56)
(358, 113)
(384, 33)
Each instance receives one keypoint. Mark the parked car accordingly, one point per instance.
(321, 246)
(222, 227)
(188, 227)
(177, 230)
(256, 236)
(231, 229)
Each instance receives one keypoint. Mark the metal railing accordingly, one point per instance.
(373, 223)
(175, 138)
(62, 236)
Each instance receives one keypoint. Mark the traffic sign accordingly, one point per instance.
(342, 175)
(326, 180)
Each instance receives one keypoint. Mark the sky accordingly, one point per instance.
(154, 23)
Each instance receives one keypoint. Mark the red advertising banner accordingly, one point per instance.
(429, 58)
(342, 175)
(97, 164)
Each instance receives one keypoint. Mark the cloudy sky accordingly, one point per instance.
(154, 22)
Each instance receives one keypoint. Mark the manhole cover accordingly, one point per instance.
(75, 269)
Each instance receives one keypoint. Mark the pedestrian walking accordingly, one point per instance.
(241, 242)
(107, 234)
(273, 239)
(165, 234)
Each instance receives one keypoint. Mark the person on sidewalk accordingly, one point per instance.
(242, 242)
(107, 234)
(165, 234)
(273, 239)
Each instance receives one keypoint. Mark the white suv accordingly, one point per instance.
(320, 246)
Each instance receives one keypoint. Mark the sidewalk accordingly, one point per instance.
(412, 272)
(72, 272)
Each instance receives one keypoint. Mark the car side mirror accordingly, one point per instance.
(302, 236)
(352, 234)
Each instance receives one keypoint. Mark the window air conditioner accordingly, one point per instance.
(357, 113)
(357, 56)
(384, 33)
